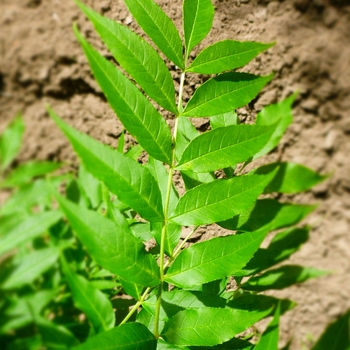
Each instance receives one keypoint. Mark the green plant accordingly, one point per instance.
(71, 283)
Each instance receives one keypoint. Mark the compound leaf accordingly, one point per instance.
(10, 142)
(197, 19)
(218, 200)
(214, 259)
(224, 93)
(125, 177)
(133, 109)
(159, 27)
(226, 55)
(137, 57)
(224, 147)
(282, 277)
(129, 336)
(90, 300)
(112, 246)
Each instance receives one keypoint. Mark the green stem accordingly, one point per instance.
(166, 209)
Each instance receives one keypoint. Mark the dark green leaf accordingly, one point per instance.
(269, 213)
(213, 259)
(233, 344)
(224, 93)
(136, 113)
(208, 326)
(10, 142)
(129, 180)
(282, 247)
(336, 336)
(218, 200)
(158, 27)
(31, 267)
(137, 57)
(129, 336)
(224, 147)
(226, 55)
(224, 119)
(282, 277)
(27, 171)
(197, 20)
(269, 339)
(281, 113)
(90, 300)
(112, 246)
(290, 177)
(16, 230)
(132, 289)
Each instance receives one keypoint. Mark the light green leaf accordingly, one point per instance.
(283, 245)
(158, 26)
(281, 113)
(112, 246)
(90, 186)
(224, 93)
(282, 277)
(172, 237)
(208, 326)
(226, 55)
(27, 171)
(268, 213)
(336, 336)
(224, 119)
(90, 300)
(269, 339)
(198, 18)
(16, 230)
(133, 109)
(224, 147)
(129, 180)
(10, 142)
(129, 336)
(233, 344)
(218, 200)
(163, 345)
(137, 58)
(290, 177)
(213, 259)
(132, 289)
(31, 267)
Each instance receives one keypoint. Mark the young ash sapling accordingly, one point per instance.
(180, 295)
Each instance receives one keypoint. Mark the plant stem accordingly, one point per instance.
(166, 209)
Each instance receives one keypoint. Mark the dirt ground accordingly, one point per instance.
(41, 62)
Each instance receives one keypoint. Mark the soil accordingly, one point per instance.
(41, 62)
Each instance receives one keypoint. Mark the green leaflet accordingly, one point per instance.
(281, 113)
(132, 289)
(159, 27)
(137, 57)
(112, 246)
(268, 213)
(233, 344)
(197, 21)
(134, 110)
(172, 236)
(336, 336)
(90, 186)
(224, 119)
(209, 326)
(31, 267)
(282, 277)
(224, 147)
(290, 177)
(90, 300)
(17, 230)
(218, 200)
(131, 182)
(283, 245)
(269, 339)
(163, 345)
(10, 142)
(27, 171)
(129, 336)
(224, 93)
(213, 259)
(226, 55)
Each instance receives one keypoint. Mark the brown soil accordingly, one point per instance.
(41, 62)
